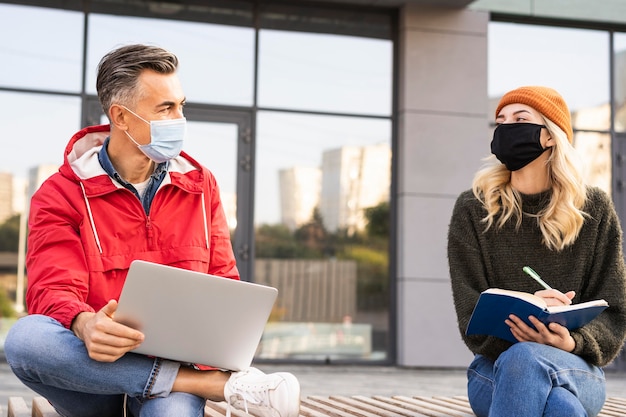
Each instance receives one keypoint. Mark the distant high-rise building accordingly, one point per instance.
(37, 175)
(6, 196)
(354, 178)
(19, 194)
(299, 195)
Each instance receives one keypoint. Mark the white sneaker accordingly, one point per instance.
(263, 395)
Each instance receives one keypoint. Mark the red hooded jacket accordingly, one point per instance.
(85, 229)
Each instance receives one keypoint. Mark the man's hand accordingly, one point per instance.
(105, 339)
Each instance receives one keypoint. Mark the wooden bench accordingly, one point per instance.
(336, 406)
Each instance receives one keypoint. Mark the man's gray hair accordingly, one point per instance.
(119, 70)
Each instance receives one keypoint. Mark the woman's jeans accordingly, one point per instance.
(53, 362)
(533, 380)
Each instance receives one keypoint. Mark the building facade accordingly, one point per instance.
(416, 75)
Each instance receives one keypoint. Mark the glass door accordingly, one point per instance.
(221, 140)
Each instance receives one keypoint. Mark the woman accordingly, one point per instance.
(530, 207)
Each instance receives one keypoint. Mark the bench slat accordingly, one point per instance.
(617, 401)
(219, 409)
(306, 411)
(364, 406)
(17, 407)
(424, 407)
(464, 409)
(209, 411)
(42, 408)
(346, 410)
(461, 402)
(327, 409)
(615, 404)
(397, 411)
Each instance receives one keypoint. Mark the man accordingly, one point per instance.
(125, 192)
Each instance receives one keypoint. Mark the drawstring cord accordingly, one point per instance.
(206, 227)
(93, 224)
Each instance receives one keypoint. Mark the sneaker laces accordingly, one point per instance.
(259, 396)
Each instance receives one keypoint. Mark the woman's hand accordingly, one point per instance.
(555, 297)
(553, 335)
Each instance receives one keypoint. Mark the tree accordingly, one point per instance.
(276, 241)
(313, 235)
(10, 234)
(378, 220)
(6, 305)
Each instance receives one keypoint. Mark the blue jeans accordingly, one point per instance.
(53, 362)
(531, 380)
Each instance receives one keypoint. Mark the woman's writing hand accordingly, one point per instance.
(555, 297)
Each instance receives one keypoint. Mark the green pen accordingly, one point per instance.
(536, 277)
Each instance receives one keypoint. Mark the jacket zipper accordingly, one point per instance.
(149, 232)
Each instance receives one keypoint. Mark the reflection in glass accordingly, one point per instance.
(595, 149)
(58, 118)
(216, 62)
(322, 234)
(214, 145)
(572, 61)
(330, 73)
(35, 53)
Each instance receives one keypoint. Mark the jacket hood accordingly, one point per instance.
(80, 161)
(87, 140)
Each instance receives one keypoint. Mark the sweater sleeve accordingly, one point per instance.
(600, 341)
(468, 272)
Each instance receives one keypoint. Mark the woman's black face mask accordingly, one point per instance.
(517, 144)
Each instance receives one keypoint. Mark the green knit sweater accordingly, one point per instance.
(593, 267)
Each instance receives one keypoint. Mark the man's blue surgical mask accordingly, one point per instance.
(166, 138)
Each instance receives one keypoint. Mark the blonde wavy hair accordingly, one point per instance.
(561, 220)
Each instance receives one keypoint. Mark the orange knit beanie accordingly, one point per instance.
(546, 101)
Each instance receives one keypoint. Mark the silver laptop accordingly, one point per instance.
(194, 317)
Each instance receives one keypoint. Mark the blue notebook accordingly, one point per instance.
(495, 305)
